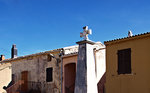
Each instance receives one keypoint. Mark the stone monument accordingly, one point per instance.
(85, 76)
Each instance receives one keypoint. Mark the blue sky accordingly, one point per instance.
(39, 25)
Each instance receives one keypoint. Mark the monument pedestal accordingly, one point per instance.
(85, 76)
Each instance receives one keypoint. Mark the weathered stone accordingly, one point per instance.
(86, 75)
(36, 65)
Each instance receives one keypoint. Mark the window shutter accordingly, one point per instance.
(124, 61)
(121, 68)
(128, 61)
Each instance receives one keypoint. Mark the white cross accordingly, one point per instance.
(85, 33)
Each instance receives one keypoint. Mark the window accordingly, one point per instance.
(124, 61)
(49, 74)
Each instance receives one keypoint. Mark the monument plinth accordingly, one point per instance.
(85, 75)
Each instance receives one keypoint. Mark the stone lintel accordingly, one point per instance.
(86, 41)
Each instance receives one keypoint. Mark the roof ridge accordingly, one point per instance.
(127, 37)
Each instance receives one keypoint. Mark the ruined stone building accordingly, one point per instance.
(35, 72)
(51, 71)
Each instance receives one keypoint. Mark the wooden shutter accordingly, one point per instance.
(24, 78)
(120, 62)
(124, 61)
(127, 60)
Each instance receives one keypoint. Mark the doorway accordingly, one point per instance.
(24, 78)
(70, 74)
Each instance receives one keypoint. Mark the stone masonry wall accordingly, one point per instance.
(36, 67)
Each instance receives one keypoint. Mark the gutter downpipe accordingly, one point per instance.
(60, 60)
(61, 55)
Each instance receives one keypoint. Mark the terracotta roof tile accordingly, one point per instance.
(127, 37)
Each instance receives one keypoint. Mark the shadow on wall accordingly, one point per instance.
(101, 84)
(70, 74)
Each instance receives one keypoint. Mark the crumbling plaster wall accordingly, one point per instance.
(36, 67)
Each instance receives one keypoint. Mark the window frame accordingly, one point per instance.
(124, 61)
(49, 75)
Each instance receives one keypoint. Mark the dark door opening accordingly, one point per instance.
(24, 78)
(70, 74)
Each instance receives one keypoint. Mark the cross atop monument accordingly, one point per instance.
(85, 33)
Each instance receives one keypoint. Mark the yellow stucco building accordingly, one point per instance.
(128, 64)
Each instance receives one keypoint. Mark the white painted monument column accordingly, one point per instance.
(85, 76)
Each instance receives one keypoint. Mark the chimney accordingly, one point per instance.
(130, 33)
(13, 51)
(2, 58)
